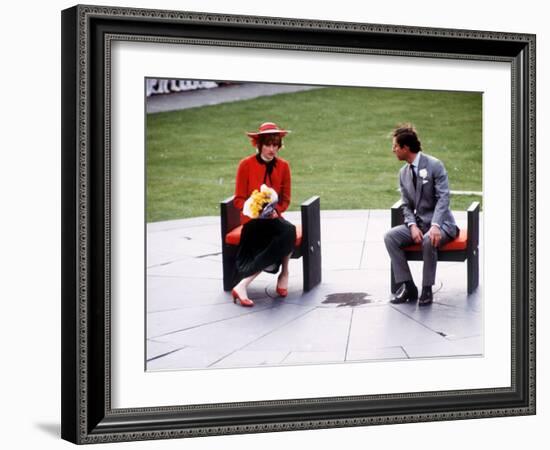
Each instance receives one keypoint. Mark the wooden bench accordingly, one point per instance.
(307, 245)
(464, 248)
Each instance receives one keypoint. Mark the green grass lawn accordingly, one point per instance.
(339, 148)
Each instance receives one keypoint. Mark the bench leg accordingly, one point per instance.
(393, 284)
(311, 267)
(473, 271)
(311, 243)
(229, 254)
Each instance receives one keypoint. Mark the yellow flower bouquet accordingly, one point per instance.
(261, 203)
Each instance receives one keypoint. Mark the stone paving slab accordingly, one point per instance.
(444, 348)
(235, 333)
(169, 293)
(449, 321)
(386, 326)
(251, 358)
(370, 257)
(187, 267)
(161, 257)
(377, 354)
(304, 357)
(187, 243)
(156, 349)
(341, 255)
(193, 324)
(342, 229)
(317, 330)
(168, 322)
(186, 358)
(181, 224)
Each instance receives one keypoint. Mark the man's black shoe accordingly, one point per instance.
(426, 298)
(407, 292)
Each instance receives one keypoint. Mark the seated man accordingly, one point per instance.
(428, 220)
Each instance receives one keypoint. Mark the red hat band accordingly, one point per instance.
(266, 128)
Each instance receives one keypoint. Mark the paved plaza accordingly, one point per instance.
(193, 324)
(177, 101)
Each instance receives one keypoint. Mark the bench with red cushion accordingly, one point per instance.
(460, 243)
(234, 236)
(307, 245)
(464, 248)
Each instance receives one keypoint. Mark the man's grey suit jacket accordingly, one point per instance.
(429, 203)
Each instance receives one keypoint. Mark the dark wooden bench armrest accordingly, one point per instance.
(311, 242)
(397, 214)
(230, 216)
(473, 226)
(311, 222)
(309, 203)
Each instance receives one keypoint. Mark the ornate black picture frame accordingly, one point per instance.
(87, 412)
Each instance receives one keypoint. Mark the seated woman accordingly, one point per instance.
(266, 241)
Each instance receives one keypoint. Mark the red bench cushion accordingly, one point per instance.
(457, 244)
(234, 236)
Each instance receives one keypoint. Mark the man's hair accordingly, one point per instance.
(266, 139)
(406, 135)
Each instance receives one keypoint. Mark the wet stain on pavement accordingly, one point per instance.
(348, 299)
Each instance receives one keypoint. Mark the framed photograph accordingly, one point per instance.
(190, 324)
(173, 327)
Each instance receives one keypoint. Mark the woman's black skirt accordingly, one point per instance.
(264, 243)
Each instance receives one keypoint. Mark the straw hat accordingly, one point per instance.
(266, 128)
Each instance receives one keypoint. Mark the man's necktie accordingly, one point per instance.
(413, 175)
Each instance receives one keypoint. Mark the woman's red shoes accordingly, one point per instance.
(281, 292)
(242, 301)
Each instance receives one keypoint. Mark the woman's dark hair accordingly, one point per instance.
(406, 135)
(269, 138)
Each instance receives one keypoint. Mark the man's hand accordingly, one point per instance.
(416, 234)
(435, 235)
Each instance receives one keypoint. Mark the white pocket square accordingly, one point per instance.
(424, 181)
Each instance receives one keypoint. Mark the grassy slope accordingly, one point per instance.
(340, 147)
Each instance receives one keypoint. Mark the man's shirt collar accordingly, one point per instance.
(416, 162)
